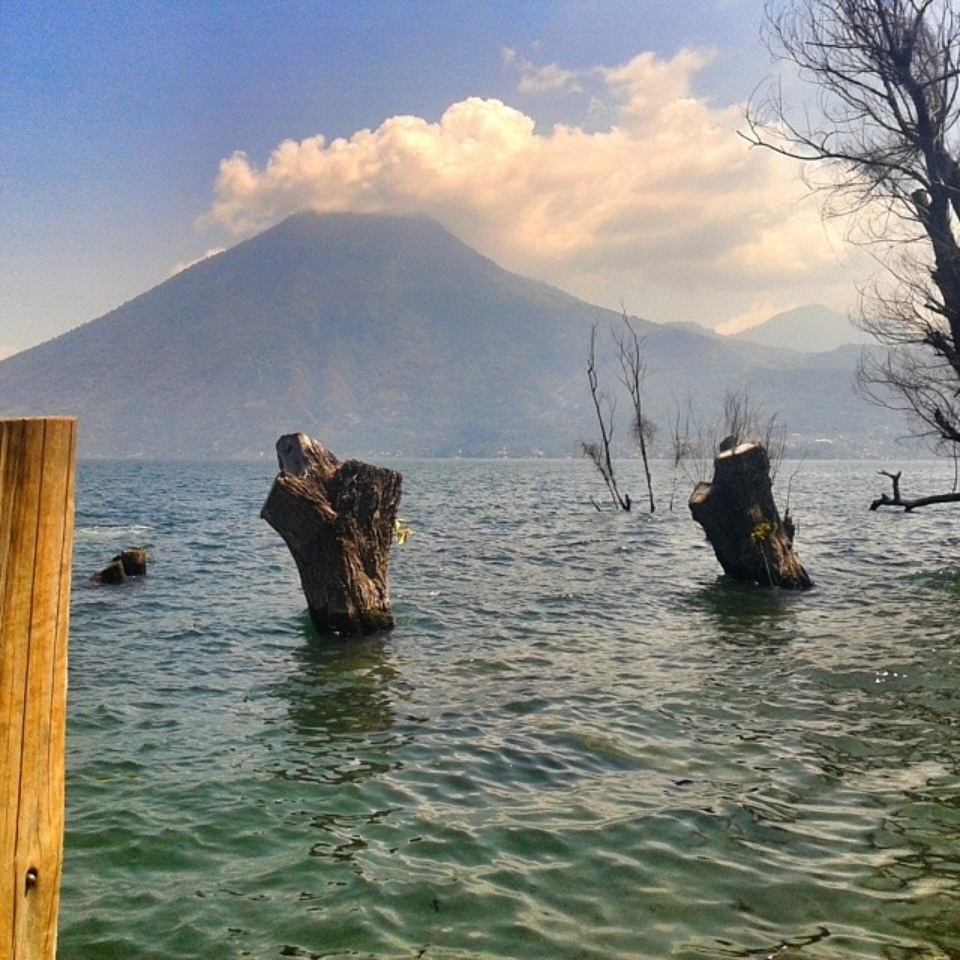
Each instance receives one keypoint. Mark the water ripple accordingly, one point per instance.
(579, 742)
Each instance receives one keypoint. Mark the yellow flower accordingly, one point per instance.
(762, 532)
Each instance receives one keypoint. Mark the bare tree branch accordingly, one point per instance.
(884, 126)
(898, 501)
(604, 407)
(633, 373)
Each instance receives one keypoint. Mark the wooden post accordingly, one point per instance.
(37, 464)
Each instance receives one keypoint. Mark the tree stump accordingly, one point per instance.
(113, 573)
(337, 520)
(740, 518)
(134, 561)
(131, 563)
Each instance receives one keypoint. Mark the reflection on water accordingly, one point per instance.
(745, 613)
(340, 709)
(340, 688)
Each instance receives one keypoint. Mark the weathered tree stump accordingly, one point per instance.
(132, 562)
(337, 520)
(740, 518)
(111, 574)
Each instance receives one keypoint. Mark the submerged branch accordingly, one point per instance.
(897, 500)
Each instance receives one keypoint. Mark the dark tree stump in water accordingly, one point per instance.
(338, 521)
(134, 560)
(112, 573)
(740, 518)
(131, 563)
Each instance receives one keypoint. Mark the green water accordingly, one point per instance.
(579, 741)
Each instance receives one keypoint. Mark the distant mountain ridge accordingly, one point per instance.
(381, 335)
(809, 329)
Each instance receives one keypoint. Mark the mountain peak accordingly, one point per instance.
(371, 332)
(313, 224)
(377, 335)
(810, 329)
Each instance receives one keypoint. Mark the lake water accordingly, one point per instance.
(580, 741)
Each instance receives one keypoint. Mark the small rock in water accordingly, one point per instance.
(132, 562)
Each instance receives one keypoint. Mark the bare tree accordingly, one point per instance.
(744, 420)
(885, 129)
(681, 443)
(633, 373)
(605, 407)
(695, 439)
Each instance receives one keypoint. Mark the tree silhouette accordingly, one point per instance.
(884, 128)
(599, 453)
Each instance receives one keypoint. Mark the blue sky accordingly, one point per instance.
(589, 144)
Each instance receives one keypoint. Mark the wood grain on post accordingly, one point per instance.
(37, 467)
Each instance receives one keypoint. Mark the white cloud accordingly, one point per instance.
(185, 265)
(664, 207)
(6, 351)
(551, 78)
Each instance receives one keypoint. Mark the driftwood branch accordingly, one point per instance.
(897, 500)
